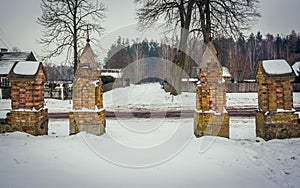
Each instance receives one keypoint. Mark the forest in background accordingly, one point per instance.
(240, 56)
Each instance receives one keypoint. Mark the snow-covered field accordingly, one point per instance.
(153, 152)
(148, 153)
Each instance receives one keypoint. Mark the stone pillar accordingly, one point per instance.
(210, 116)
(275, 118)
(28, 113)
(88, 113)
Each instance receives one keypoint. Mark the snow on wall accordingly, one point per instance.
(26, 68)
(276, 67)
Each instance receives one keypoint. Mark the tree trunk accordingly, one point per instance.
(208, 22)
(75, 47)
(205, 22)
(184, 33)
(181, 62)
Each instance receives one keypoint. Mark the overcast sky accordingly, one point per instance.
(18, 27)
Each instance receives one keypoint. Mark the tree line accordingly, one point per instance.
(240, 55)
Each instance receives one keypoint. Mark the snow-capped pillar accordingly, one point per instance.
(27, 90)
(275, 118)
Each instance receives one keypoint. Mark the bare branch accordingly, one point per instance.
(65, 22)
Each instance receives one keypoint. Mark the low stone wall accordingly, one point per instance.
(235, 87)
(241, 87)
(230, 87)
(35, 123)
(57, 93)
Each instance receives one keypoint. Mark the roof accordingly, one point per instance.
(25, 70)
(17, 56)
(277, 67)
(296, 68)
(209, 57)
(226, 72)
(5, 67)
(116, 73)
(87, 58)
(8, 59)
(112, 74)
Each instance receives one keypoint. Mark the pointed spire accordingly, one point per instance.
(87, 58)
(88, 34)
(210, 57)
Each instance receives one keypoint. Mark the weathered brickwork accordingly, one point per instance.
(211, 124)
(211, 117)
(28, 113)
(28, 94)
(88, 113)
(91, 122)
(275, 118)
(35, 123)
(277, 125)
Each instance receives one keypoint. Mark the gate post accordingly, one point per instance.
(87, 113)
(210, 116)
(275, 117)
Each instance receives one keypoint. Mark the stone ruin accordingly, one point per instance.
(88, 113)
(27, 89)
(275, 118)
(210, 116)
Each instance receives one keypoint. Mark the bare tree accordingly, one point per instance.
(224, 17)
(66, 24)
(175, 13)
(205, 17)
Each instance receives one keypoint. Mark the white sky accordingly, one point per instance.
(18, 27)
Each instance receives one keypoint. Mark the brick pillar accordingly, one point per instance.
(275, 118)
(88, 113)
(210, 116)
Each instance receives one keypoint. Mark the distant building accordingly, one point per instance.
(226, 74)
(115, 73)
(296, 69)
(7, 61)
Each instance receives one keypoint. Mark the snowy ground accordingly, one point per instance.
(149, 152)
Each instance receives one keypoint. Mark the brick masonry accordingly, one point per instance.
(210, 116)
(35, 123)
(88, 113)
(275, 118)
(28, 113)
